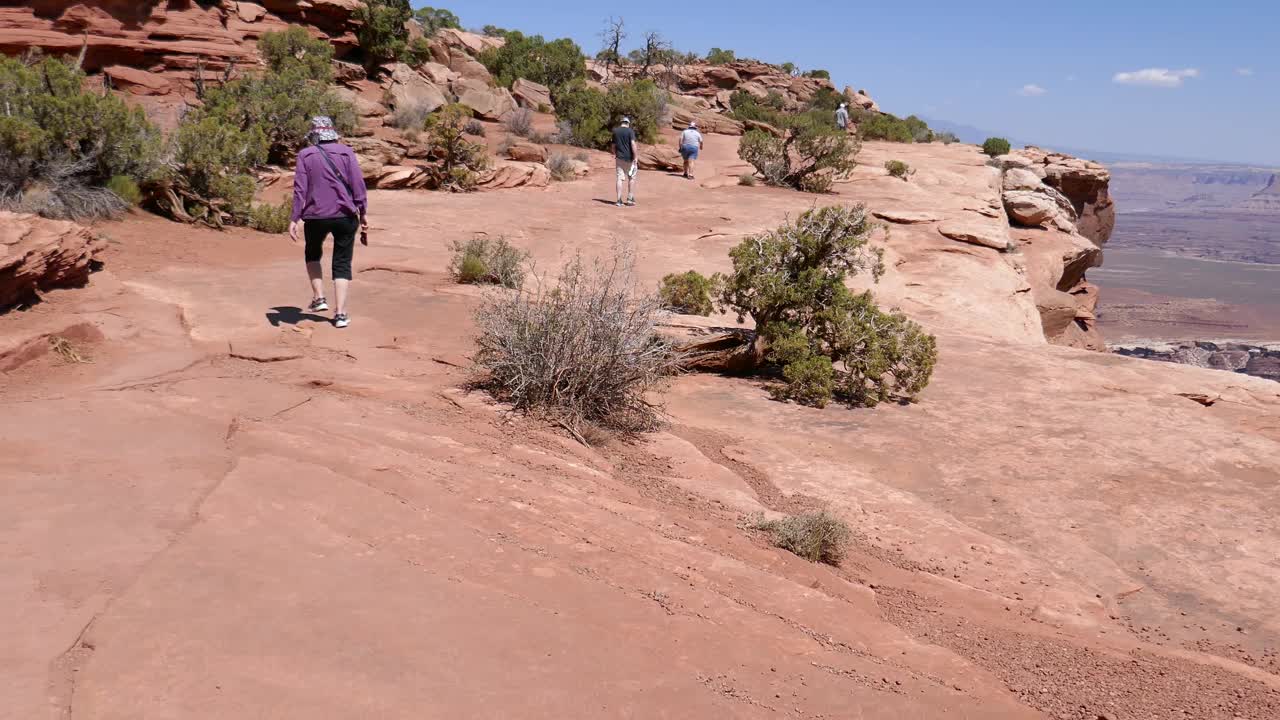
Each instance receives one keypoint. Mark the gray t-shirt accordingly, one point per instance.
(691, 138)
(624, 139)
(842, 117)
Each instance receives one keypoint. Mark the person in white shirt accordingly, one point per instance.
(842, 117)
(690, 146)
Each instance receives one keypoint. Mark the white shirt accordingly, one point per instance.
(691, 138)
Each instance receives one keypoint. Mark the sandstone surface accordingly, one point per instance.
(37, 255)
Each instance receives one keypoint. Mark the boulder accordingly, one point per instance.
(468, 67)
(471, 43)
(527, 152)
(1029, 208)
(365, 107)
(531, 95)
(1021, 179)
(38, 254)
(486, 102)
(1031, 203)
(438, 74)
(763, 127)
(708, 122)
(984, 234)
(1085, 185)
(659, 157)
(374, 155)
(138, 82)
(394, 177)
(506, 174)
(409, 88)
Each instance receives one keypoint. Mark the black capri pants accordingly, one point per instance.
(343, 230)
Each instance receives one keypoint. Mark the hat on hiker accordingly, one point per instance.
(322, 129)
(626, 121)
(693, 124)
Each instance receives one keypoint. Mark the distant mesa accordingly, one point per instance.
(1268, 198)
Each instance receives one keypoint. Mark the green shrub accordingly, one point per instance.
(456, 161)
(125, 188)
(485, 261)
(296, 49)
(898, 169)
(746, 106)
(894, 129)
(747, 179)
(996, 147)
(812, 154)
(825, 340)
(383, 34)
(817, 537)
(819, 74)
(434, 20)
(946, 138)
(721, 57)
(273, 219)
(418, 52)
(555, 64)
(689, 293)
(788, 68)
(591, 115)
(60, 144)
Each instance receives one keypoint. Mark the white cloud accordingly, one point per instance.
(1244, 72)
(1032, 90)
(1071, 78)
(1155, 77)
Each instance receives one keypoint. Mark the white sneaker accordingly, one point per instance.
(318, 305)
(341, 321)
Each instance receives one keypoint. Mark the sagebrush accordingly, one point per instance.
(817, 536)
(562, 167)
(520, 123)
(996, 146)
(582, 350)
(488, 261)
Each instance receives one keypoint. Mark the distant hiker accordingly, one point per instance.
(690, 146)
(842, 117)
(625, 151)
(329, 198)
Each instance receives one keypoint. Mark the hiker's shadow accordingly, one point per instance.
(292, 316)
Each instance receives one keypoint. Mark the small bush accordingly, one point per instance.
(898, 169)
(689, 293)
(584, 351)
(946, 138)
(60, 144)
(126, 189)
(817, 536)
(273, 219)
(894, 129)
(819, 74)
(456, 161)
(825, 340)
(996, 147)
(747, 179)
(562, 167)
(475, 128)
(721, 57)
(810, 157)
(747, 107)
(485, 261)
(555, 64)
(296, 48)
(788, 68)
(520, 123)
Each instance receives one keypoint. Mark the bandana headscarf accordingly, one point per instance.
(322, 129)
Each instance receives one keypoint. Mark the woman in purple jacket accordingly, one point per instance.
(329, 198)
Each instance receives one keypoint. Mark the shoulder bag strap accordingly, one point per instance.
(351, 195)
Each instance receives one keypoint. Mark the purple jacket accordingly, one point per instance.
(318, 194)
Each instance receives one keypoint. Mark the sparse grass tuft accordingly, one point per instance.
(66, 350)
(520, 123)
(747, 179)
(816, 536)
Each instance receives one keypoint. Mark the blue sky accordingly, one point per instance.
(1180, 78)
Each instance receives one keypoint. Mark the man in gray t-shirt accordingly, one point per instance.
(690, 146)
(842, 117)
(625, 152)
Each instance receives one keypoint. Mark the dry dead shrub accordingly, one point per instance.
(520, 123)
(561, 166)
(66, 350)
(410, 116)
(583, 350)
(816, 536)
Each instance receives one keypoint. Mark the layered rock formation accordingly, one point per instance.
(38, 254)
(1255, 360)
(1266, 199)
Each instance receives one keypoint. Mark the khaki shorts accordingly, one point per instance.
(627, 169)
